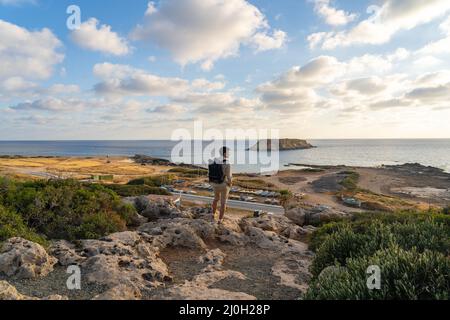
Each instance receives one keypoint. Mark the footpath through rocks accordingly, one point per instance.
(173, 254)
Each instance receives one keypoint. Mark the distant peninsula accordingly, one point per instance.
(284, 145)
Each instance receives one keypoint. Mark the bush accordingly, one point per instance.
(405, 275)
(66, 209)
(136, 190)
(156, 181)
(411, 248)
(350, 241)
(189, 173)
(350, 182)
(12, 225)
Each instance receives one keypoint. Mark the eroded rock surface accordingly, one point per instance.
(25, 259)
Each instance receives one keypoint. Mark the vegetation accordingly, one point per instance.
(124, 190)
(156, 181)
(411, 249)
(63, 209)
(189, 173)
(12, 225)
(253, 184)
(350, 182)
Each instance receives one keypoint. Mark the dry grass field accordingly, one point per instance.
(122, 168)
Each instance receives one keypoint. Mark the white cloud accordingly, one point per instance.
(393, 17)
(101, 38)
(51, 104)
(27, 54)
(332, 16)
(125, 80)
(295, 90)
(263, 41)
(204, 31)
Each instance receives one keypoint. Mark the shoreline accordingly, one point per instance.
(285, 167)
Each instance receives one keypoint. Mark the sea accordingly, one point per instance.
(365, 153)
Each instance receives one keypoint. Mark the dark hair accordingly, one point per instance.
(224, 151)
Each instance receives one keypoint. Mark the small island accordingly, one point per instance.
(284, 145)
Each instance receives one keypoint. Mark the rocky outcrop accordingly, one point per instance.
(200, 288)
(312, 216)
(120, 292)
(10, 293)
(213, 259)
(65, 253)
(161, 209)
(283, 145)
(123, 259)
(25, 259)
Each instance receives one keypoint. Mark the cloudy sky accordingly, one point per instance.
(139, 69)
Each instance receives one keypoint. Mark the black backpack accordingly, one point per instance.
(216, 174)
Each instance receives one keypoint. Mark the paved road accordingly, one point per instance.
(237, 204)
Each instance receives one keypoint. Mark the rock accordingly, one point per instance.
(127, 238)
(56, 297)
(226, 235)
(296, 232)
(320, 214)
(268, 222)
(25, 259)
(283, 145)
(65, 252)
(9, 292)
(293, 271)
(181, 232)
(297, 215)
(123, 259)
(181, 236)
(120, 292)
(213, 259)
(266, 239)
(199, 288)
(161, 209)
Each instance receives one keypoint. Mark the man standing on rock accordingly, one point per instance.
(220, 178)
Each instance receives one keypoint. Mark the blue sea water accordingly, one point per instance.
(368, 153)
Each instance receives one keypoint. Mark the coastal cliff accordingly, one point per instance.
(284, 145)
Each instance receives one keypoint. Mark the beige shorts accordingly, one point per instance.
(221, 192)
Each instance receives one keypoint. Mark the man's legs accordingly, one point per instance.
(223, 203)
(215, 202)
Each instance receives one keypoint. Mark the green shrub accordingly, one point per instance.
(189, 173)
(405, 275)
(12, 225)
(155, 181)
(350, 182)
(357, 240)
(66, 209)
(136, 190)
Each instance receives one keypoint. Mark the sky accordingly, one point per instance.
(313, 69)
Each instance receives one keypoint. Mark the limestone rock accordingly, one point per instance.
(213, 259)
(9, 292)
(199, 288)
(25, 259)
(161, 209)
(123, 259)
(65, 252)
(120, 292)
(179, 232)
(297, 215)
